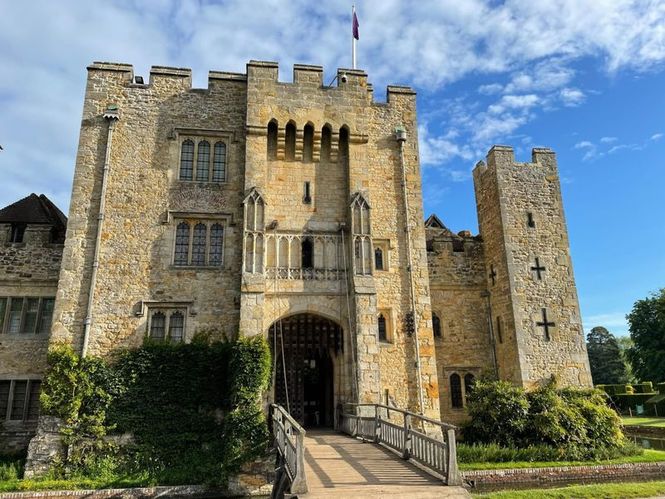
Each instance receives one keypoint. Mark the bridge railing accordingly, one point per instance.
(290, 444)
(429, 442)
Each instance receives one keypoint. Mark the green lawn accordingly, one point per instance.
(73, 484)
(649, 456)
(597, 491)
(651, 421)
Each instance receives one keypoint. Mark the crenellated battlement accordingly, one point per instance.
(305, 76)
(504, 156)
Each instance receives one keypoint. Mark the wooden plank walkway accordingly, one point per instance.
(340, 466)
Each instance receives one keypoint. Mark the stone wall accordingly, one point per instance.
(521, 219)
(27, 269)
(144, 201)
(457, 283)
(373, 153)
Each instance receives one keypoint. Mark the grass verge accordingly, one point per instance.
(632, 421)
(596, 491)
(72, 484)
(649, 456)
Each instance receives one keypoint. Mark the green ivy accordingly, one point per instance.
(193, 410)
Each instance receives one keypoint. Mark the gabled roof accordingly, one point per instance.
(33, 209)
(433, 222)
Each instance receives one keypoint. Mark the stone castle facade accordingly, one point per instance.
(294, 211)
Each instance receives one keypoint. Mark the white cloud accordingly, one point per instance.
(572, 97)
(531, 46)
(491, 89)
(615, 322)
(590, 150)
(438, 150)
(657, 136)
(608, 140)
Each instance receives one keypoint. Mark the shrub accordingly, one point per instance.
(498, 412)
(574, 424)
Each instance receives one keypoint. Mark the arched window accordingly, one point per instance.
(199, 245)
(383, 329)
(157, 326)
(436, 325)
(456, 391)
(344, 145)
(362, 242)
(219, 163)
(307, 254)
(216, 244)
(186, 160)
(272, 140)
(181, 256)
(290, 144)
(326, 140)
(176, 327)
(203, 161)
(469, 381)
(378, 259)
(308, 143)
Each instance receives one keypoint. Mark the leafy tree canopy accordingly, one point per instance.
(647, 330)
(605, 360)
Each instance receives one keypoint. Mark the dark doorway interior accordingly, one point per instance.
(304, 373)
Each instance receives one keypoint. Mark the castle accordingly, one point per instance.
(293, 211)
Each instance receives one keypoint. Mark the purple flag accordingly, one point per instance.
(355, 26)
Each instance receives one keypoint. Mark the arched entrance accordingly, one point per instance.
(304, 347)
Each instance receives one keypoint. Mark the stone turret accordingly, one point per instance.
(535, 312)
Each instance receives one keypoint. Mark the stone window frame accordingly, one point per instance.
(30, 407)
(387, 314)
(168, 309)
(385, 246)
(39, 327)
(463, 373)
(194, 219)
(213, 138)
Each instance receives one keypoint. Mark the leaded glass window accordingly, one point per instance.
(30, 316)
(182, 244)
(219, 163)
(157, 326)
(203, 161)
(187, 160)
(216, 244)
(176, 326)
(199, 245)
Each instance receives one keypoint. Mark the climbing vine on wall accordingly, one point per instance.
(193, 410)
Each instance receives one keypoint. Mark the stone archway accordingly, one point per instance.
(305, 347)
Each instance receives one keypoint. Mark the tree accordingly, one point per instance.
(647, 330)
(625, 344)
(607, 366)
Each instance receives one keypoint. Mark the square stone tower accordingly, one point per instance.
(536, 321)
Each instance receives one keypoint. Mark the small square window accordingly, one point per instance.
(17, 233)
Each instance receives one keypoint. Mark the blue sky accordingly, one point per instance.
(584, 77)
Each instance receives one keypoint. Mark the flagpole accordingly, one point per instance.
(353, 40)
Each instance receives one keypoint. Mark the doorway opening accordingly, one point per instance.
(305, 347)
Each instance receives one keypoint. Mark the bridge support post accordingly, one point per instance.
(406, 453)
(454, 477)
(299, 484)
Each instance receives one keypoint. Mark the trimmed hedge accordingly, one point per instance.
(194, 410)
(626, 398)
